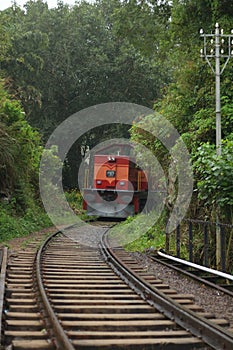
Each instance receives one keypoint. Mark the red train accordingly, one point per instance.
(119, 187)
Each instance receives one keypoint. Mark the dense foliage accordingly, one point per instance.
(63, 60)
(20, 150)
(189, 103)
(58, 61)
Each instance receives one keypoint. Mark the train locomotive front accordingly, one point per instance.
(119, 188)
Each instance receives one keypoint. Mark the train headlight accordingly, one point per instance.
(98, 182)
(122, 183)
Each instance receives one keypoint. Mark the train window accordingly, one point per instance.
(110, 173)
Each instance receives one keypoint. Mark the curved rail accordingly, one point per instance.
(82, 284)
(4, 253)
(96, 308)
(61, 339)
(210, 333)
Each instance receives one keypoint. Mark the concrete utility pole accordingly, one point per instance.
(220, 47)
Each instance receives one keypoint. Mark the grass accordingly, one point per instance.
(136, 233)
(14, 222)
(12, 225)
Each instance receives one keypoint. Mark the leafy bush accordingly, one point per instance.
(75, 201)
(12, 226)
(214, 176)
(20, 151)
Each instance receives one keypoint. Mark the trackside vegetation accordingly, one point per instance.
(57, 61)
(20, 149)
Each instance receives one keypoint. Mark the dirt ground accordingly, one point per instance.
(20, 243)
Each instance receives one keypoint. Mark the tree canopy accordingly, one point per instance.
(58, 61)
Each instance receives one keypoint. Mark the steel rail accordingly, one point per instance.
(196, 266)
(210, 333)
(2, 285)
(61, 339)
(190, 274)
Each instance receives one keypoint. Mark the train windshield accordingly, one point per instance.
(110, 173)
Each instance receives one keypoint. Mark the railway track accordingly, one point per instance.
(69, 295)
(213, 278)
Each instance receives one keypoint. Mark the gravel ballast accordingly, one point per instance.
(211, 300)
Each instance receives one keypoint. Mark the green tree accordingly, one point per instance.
(66, 59)
(215, 187)
(20, 152)
(189, 100)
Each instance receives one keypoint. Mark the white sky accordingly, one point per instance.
(52, 3)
